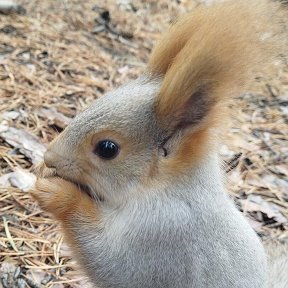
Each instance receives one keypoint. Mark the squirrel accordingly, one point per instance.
(135, 179)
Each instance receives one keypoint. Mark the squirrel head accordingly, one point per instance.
(113, 144)
(162, 124)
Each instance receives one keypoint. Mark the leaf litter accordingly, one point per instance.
(57, 58)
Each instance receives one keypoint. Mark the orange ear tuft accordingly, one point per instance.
(207, 56)
(209, 53)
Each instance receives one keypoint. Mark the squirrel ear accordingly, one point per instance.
(191, 112)
(210, 53)
(204, 58)
(200, 78)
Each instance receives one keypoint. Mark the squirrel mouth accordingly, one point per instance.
(84, 188)
(42, 171)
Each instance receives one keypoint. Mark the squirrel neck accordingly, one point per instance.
(202, 185)
(203, 181)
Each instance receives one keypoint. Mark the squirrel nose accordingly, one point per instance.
(50, 159)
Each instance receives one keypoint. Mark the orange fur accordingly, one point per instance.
(64, 200)
(193, 145)
(210, 53)
(190, 150)
(221, 25)
(204, 50)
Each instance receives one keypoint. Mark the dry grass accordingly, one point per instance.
(51, 58)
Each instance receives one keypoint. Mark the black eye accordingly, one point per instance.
(106, 149)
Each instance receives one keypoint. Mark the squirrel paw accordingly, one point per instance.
(63, 199)
(56, 195)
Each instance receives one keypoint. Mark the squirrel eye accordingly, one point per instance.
(106, 149)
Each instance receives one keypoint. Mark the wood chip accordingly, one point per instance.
(21, 179)
(28, 144)
(53, 117)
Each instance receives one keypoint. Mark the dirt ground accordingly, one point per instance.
(59, 56)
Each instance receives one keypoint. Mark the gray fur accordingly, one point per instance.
(175, 237)
(162, 231)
